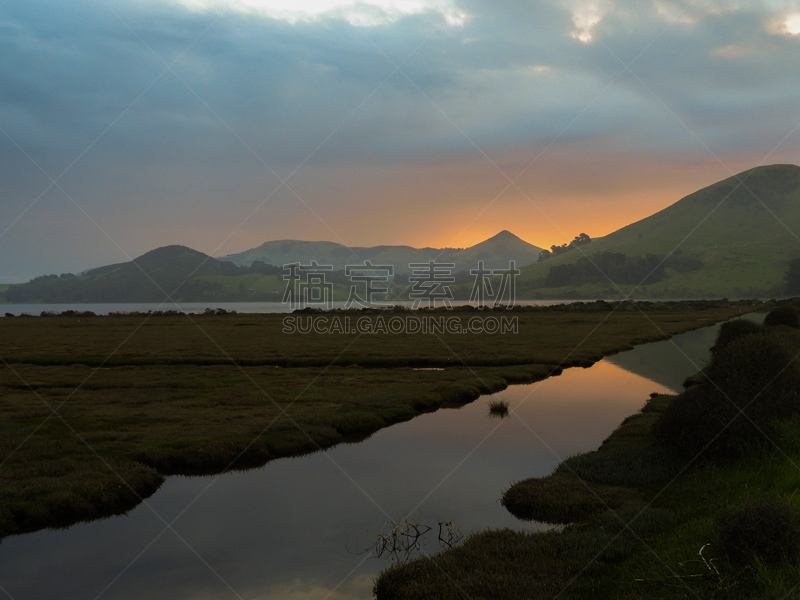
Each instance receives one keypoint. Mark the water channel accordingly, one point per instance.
(293, 529)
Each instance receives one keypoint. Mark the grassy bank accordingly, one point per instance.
(686, 499)
(95, 411)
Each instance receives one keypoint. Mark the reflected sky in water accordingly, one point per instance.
(290, 530)
(670, 362)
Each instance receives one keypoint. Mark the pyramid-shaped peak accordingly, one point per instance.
(505, 239)
(505, 235)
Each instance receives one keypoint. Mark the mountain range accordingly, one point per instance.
(496, 252)
(735, 238)
(186, 275)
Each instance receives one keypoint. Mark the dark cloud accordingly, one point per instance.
(248, 90)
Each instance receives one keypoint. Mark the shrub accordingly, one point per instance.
(498, 408)
(751, 375)
(764, 530)
(733, 330)
(783, 315)
(560, 499)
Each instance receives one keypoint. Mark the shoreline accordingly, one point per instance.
(643, 515)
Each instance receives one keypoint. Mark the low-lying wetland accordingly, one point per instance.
(694, 496)
(297, 527)
(87, 402)
(163, 404)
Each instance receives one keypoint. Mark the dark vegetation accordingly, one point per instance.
(690, 498)
(733, 330)
(751, 384)
(580, 240)
(783, 315)
(616, 267)
(94, 411)
(766, 531)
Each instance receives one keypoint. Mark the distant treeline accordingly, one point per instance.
(579, 240)
(616, 267)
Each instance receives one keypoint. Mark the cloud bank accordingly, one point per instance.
(221, 125)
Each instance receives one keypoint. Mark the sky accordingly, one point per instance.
(126, 125)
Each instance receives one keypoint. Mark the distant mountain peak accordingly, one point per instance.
(505, 238)
(504, 235)
(495, 252)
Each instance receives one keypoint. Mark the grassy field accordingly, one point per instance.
(94, 411)
(648, 515)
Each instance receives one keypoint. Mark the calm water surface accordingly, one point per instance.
(292, 529)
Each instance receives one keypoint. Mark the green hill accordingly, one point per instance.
(733, 238)
(172, 272)
(175, 271)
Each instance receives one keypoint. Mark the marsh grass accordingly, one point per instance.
(555, 336)
(203, 394)
(562, 499)
(498, 409)
(763, 531)
(504, 564)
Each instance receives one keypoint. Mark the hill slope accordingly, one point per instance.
(171, 270)
(733, 238)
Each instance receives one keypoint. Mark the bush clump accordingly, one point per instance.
(751, 384)
(783, 315)
(733, 330)
(766, 530)
(560, 499)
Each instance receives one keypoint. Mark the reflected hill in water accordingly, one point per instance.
(672, 362)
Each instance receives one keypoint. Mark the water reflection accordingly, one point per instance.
(282, 531)
(669, 363)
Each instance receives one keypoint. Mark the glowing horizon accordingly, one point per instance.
(403, 122)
